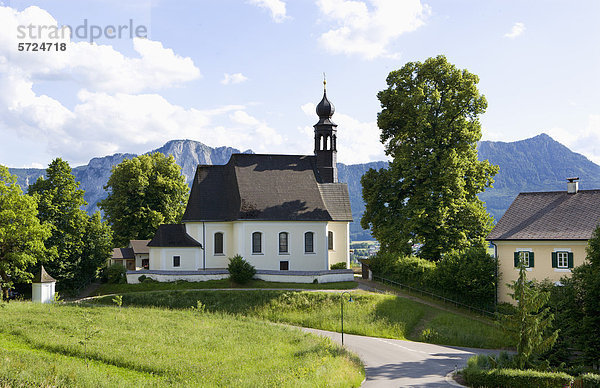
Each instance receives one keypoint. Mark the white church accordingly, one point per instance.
(285, 214)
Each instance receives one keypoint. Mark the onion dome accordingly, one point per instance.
(325, 108)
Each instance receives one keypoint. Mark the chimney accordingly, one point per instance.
(572, 185)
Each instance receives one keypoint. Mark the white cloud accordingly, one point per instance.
(585, 141)
(358, 142)
(516, 30)
(367, 28)
(111, 114)
(236, 78)
(92, 66)
(277, 8)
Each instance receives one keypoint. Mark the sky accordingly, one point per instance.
(248, 73)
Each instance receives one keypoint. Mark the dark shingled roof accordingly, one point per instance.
(266, 187)
(42, 277)
(550, 216)
(173, 235)
(139, 246)
(123, 253)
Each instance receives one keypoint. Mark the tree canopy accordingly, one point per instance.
(144, 192)
(22, 234)
(79, 244)
(428, 194)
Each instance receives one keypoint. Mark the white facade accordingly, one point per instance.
(42, 292)
(237, 239)
(176, 258)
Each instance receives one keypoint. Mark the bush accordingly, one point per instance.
(467, 277)
(116, 274)
(590, 380)
(514, 378)
(240, 271)
(341, 265)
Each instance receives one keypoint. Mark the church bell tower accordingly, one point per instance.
(325, 140)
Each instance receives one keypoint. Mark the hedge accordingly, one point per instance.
(514, 378)
(590, 380)
(467, 277)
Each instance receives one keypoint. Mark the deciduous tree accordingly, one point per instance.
(144, 192)
(80, 244)
(428, 195)
(22, 234)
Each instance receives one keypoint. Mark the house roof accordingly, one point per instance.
(139, 246)
(173, 235)
(42, 277)
(554, 215)
(123, 253)
(266, 187)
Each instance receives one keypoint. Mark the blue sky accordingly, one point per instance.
(248, 73)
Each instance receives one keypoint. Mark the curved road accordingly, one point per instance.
(397, 363)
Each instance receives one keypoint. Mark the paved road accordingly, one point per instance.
(396, 363)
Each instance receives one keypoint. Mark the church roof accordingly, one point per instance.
(173, 235)
(266, 187)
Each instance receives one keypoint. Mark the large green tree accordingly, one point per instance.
(81, 244)
(428, 194)
(22, 234)
(144, 192)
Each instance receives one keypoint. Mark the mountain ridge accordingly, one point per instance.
(539, 163)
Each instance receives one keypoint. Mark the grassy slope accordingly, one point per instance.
(225, 283)
(370, 314)
(42, 345)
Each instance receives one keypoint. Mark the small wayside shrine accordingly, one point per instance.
(43, 286)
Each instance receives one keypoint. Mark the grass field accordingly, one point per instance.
(224, 283)
(66, 345)
(370, 314)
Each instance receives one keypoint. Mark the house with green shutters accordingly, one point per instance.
(547, 231)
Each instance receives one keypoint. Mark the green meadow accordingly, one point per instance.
(378, 315)
(108, 288)
(76, 346)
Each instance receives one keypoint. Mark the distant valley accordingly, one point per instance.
(536, 164)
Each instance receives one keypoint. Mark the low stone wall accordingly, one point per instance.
(328, 276)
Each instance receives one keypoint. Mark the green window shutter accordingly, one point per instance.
(530, 259)
(554, 260)
(570, 259)
(516, 259)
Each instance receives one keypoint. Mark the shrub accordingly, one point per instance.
(341, 265)
(240, 271)
(142, 278)
(116, 274)
(590, 380)
(467, 277)
(514, 378)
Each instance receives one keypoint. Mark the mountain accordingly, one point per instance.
(94, 175)
(536, 164)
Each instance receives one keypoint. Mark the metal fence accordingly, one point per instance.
(435, 296)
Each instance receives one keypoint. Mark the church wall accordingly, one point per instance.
(214, 260)
(269, 258)
(341, 243)
(190, 258)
